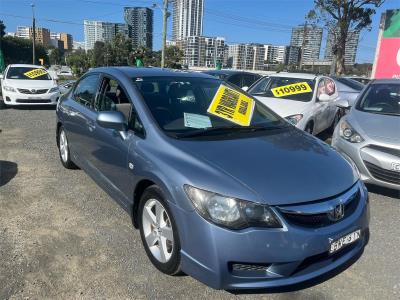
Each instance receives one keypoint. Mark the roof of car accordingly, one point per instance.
(227, 72)
(294, 75)
(26, 66)
(386, 80)
(150, 72)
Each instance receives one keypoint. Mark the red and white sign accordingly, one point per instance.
(388, 61)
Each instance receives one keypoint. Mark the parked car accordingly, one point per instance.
(209, 195)
(370, 133)
(66, 86)
(363, 80)
(305, 100)
(28, 85)
(239, 78)
(65, 73)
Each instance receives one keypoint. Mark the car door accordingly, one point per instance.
(109, 153)
(79, 117)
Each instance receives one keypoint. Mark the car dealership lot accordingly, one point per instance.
(62, 236)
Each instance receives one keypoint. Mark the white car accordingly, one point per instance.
(305, 100)
(28, 85)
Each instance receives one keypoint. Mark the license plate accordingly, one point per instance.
(344, 241)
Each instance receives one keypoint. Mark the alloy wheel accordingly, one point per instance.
(157, 229)
(63, 146)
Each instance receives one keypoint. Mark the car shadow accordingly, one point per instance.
(383, 191)
(303, 285)
(8, 170)
(34, 107)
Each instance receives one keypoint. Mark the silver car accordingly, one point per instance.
(370, 133)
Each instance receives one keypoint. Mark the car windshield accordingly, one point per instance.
(181, 106)
(355, 85)
(298, 89)
(28, 73)
(381, 99)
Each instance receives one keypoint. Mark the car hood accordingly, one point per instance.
(30, 84)
(381, 128)
(285, 168)
(284, 107)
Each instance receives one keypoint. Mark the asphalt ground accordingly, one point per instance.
(62, 237)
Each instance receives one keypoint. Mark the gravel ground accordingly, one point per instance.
(62, 237)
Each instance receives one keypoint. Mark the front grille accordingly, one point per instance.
(322, 219)
(383, 174)
(33, 91)
(30, 101)
(249, 267)
(392, 151)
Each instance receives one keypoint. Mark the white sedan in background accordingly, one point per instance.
(305, 100)
(24, 84)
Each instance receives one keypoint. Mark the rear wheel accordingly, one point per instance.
(3, 105)
(63, 149)
(158, 232)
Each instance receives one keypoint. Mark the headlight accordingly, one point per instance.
(294, 119)
(8, 88)
(349, 134)
(54, 89)
(231, 212)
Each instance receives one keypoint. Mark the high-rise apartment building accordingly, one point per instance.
(101, 31)
(65, 38)
(312, 37)
(350, 49)
(287, 55)
(42, 35)
(139, 21)
(187, 18)
(201, 51)
(246, 56)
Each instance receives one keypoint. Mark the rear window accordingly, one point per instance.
(28, 73)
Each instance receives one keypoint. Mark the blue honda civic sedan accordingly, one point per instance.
(220, 187)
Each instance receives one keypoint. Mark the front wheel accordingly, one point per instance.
(63, 149)
(309, 128)
(158, 232)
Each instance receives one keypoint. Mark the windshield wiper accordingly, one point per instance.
(227, 129)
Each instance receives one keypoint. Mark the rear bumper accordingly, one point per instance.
(290, 255)
(19, 99)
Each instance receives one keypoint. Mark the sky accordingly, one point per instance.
(244, 21)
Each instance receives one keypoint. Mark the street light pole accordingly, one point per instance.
(33, 34)
(164, 34)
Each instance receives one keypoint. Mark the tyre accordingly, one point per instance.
(63, 150)
(309, 128)
(3, 105)
(158, 231)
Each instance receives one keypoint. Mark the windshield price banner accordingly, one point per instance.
(35, 73)
(232, 105)
(291, 89)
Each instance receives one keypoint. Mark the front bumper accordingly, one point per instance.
(290, 255)
(374, 165)
(17, 98)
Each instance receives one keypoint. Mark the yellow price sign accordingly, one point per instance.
(291, 89)
(35, 73)
(232, 105)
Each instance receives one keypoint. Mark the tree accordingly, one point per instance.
(17, 50)
(79, 62)
(97, 54)
(55, 56)
(173, 57)
(341, 17)
(2, 29)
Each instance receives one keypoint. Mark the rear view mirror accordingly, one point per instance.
(343, 104)
(112, 120)
(324, 98)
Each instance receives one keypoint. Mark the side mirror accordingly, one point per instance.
(245, 88)
(324, 98)
(112, 120)
(343, 104)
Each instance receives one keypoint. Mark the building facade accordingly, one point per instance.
(350, 49)
(201, 51)
(98, 31)
(42, 35)
(187, 19)
(312, 37)
(246, 56)
(139, 21)
(65, 38)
